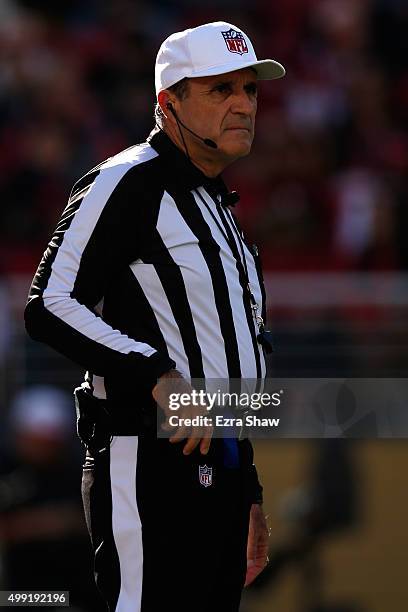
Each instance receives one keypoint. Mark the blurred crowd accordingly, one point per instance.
(325, 186)
(43, 539)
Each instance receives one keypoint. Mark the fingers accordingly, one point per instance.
(180, 434)
(173, 383)
(258, 545)
(252, 541)
(198, 436)
(190, 445)
(254, 568)
(205, 445)
(251, 574)
(193, 439)
(251, 550)
(250, 577)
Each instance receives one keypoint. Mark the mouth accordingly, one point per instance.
(239, 130)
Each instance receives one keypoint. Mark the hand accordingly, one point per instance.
(173, 382)
(257, 548)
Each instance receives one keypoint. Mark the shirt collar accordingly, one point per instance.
(179, 170)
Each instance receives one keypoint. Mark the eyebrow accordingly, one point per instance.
(221, 82)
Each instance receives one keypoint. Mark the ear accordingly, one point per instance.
(164, 100)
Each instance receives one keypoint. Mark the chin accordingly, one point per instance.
(238, 149)
(237, 144)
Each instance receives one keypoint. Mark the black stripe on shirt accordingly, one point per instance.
(210, 250)
(243, 282)
(135, 317)
(173, 285)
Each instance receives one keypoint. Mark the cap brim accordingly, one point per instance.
(266, 69)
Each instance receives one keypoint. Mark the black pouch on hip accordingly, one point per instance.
(92, 420)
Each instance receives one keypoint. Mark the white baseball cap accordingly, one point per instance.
(210, 49)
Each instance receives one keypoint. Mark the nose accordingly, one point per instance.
(243, 103)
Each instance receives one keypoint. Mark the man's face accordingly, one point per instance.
(223, 108)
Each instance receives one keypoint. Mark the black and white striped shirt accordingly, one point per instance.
(139, 277)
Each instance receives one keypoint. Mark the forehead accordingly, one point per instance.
(244, 75)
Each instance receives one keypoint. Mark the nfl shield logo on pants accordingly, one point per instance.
(205, 473)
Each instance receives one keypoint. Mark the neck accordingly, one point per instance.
(209, 161)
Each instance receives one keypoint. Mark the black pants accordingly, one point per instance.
(169, 531)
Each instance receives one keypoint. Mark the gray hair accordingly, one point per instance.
(181, 90)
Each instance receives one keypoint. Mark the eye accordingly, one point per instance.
(222, 88)
(251, 89)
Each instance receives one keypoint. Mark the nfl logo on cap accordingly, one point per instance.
(235, 41)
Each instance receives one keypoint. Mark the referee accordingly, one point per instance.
(147, 283)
